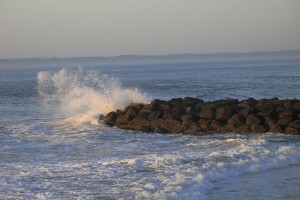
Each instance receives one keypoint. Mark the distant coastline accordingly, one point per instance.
(164, 58)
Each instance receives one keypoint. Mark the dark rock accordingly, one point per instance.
(146, 111)
(252, 119)
(123, 119)
(163, 107)
(193, 116)
(159, 130)
(257, 128)
(205, 125)
(245, 111)
(189, 122)
(156, 123)
(286, 113)
(227, 129)
(145, 129)
(251, 101)
(275, 129)
(140, 122)
(155, 115)
(110, 118)
(125, 126)
(191, 110)
(176, 101)
(295, 124)
(267, 109)
(297, 107)
(193, 130)
(137, 106)
(178, 108)
(290, 130)
(224, 113)
(179, 128)
(207, 112)
(242, 129)
(187, 116)
(190, 101)
(217, 125)
(169, 125)
(284, 122)
(235, 121)
(132, 111)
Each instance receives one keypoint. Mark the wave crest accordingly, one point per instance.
(82, 95)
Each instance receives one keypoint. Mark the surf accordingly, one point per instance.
(80, 95)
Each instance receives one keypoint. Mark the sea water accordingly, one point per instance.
(52, 145)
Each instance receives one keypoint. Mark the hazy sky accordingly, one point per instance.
(67, 28)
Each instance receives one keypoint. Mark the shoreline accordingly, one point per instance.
(196, 117)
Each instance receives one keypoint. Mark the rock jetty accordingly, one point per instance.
(195, 116)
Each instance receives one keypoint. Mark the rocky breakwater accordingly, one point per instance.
(194, 116)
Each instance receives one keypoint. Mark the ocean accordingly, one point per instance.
(52, 145)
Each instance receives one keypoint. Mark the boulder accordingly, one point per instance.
(193, 130)
(252, 119)
(189, 122)
(290, 130)
(284, 122)
(235, 121)
(296, 106)
(145, 129)
(224, 113)
(123, 119)
(257, 128)
(110, 118)
(169, 125)
(193, 116)
(207, 112)
(217, 125)
(140, 122)
(295, 124)
(243, 129)
(155, 115)
(154, 124)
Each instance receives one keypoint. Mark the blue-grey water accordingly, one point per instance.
(52, 145)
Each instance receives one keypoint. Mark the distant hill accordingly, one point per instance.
(173, 58)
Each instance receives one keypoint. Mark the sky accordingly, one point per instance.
(83, 28)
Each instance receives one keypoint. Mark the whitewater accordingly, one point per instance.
(53, 145)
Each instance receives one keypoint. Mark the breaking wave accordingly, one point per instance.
(81, 95)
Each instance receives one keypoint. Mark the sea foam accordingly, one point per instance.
(81, 95)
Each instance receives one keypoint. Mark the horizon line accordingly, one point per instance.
(151, 55)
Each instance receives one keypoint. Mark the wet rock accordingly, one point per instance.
(252, 119)
(155, 124)
(207, 112)
(257, 128)
(224, 113)
(155, 115)
(290, 130)
(123, 119)
(235, 121)
(169, 125)
(186, 117)
(189, 122)
(193, 116)
(295, 124)
(297, 106)
(145, 129)
(284, 122)
(217, 125)
(140, 122)
(193, 130)
(242, 129)
(110, 118)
